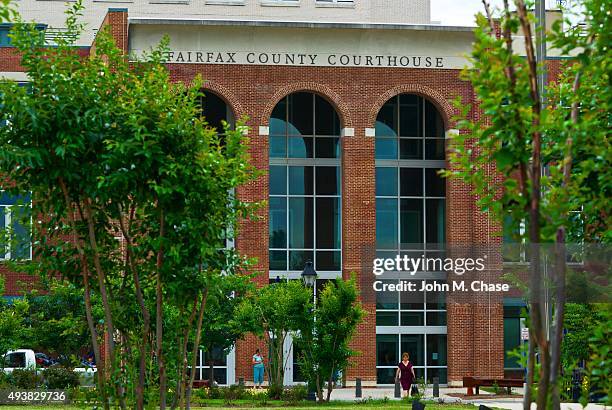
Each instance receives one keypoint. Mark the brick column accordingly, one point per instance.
(252, 241)
(358, 240)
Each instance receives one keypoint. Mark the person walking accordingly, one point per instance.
(258, 369)
(405, 374)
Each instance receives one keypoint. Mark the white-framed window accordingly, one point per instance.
(15, 226)
(335, 2)
(280, 2)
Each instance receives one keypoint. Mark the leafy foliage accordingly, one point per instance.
(324, 338)
(275, 312)
(136, 197)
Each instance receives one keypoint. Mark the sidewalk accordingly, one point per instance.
(348, 394)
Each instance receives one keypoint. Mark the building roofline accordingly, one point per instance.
(296, 24)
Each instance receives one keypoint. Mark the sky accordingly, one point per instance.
(461, 12)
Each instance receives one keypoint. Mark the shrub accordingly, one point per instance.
(295, 394)
(233, 393)
(6, 381)
(275, 391)
(26, 379)
(60, 378)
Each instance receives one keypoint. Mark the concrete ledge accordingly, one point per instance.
(297, 24)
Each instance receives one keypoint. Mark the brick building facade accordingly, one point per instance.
(392, 71)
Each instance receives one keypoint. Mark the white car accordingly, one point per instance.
(26, 359)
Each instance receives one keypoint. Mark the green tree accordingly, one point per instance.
(136, 195)
(518, 136)
(324, 338)
(14, 333)
(276, 312)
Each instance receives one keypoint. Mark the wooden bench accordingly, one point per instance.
(476, 382)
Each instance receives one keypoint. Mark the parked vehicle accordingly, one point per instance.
(27, 359)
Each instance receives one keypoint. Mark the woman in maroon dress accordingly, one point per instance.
(405, 374)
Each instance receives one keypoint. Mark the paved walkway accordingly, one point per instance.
(348, 394)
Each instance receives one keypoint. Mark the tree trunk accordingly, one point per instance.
(146, 316)
(87, 296)
(530, 372)
(182, 382)
(159, 332)
(196, 348)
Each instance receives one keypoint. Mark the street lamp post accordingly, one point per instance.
(309, 276)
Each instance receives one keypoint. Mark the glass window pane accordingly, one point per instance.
(328, 180)
(436, 300)
(436, 222)
(386, 181)
(386, 318)
(441, 374)
(327, 147)
(278, 222)
(215, 111)
(299, 147)
(300, 114)
(414, 345)
(434, 126)
(328, 223)
(387, 299)
(411, 148)
(435, 149)
(278, 124)
(410, 120)
(300, 181)
(411, 222)
(326, 119)
(435, 184)
(300, 223)
(436, 350)
(3, 237)
(328, 260)
(385, 376)
(278, 180)
(278, 146)
(411, 181)
(298, 259)
(512, 340)
(386, 148)
(410, 99)
(436, 318)
(386, 350)
(386, 224)
(412, 319)
(20, 220)
(386, 121)
(413, 300)
(278, 260)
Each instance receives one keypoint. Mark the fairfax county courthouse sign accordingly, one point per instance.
(309, 59)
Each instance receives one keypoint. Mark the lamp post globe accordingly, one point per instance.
(309, 275)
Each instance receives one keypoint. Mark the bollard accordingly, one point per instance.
(241, 381)
(398, 392)
(436, 387)
(358, 388)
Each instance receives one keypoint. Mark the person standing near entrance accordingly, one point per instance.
(405, 374)
(258, 369)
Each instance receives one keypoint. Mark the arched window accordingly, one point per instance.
(216, 110)
(305, 190)
(410, 220)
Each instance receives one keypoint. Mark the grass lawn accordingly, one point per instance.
(242, 404)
